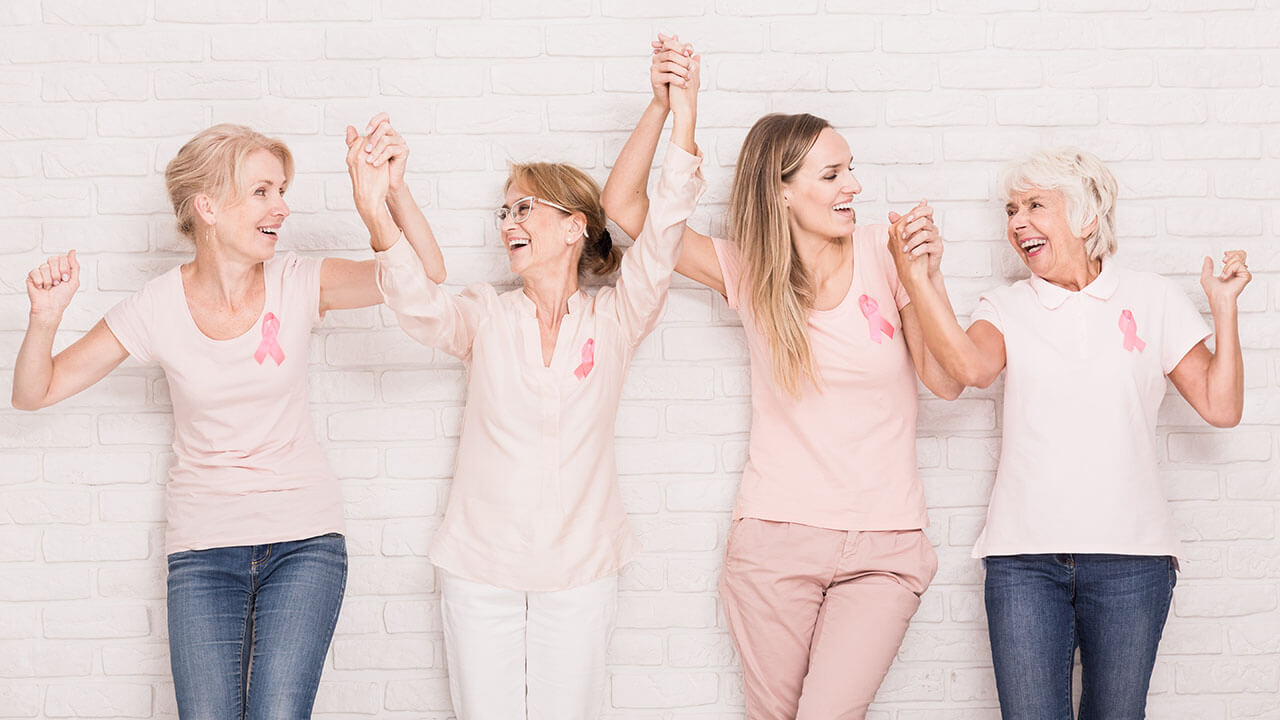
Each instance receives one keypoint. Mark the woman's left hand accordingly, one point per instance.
(1227, 285)
(386, 146)
(915, 243)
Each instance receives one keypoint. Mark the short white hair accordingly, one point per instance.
(1089, 187)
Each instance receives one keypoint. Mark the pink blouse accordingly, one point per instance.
(535, 503)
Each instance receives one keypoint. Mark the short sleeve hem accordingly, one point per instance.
(986, 310)
(727, 254)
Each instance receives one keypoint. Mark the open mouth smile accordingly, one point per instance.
(1032, 246)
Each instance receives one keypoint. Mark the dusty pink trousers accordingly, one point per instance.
(817, 615)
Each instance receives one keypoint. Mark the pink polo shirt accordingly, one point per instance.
(843, 457)
(1078, 464)
(535, 503)
(248, 469)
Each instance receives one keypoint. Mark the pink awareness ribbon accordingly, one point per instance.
(1129, 327)
(875, 323)
(588, 359)
(269, 345)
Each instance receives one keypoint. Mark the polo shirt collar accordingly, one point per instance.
(1102, 288)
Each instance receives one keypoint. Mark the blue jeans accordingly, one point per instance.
(249, 627)
(1041, 607)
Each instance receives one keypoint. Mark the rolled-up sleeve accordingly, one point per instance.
(427, 313)
(647, 266)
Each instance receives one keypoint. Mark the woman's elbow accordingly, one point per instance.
(949, 391)
(976, 376)
(1225, 419)
(438, 276)
(25, 403)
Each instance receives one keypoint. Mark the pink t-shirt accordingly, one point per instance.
(843, 457)
(248, 470)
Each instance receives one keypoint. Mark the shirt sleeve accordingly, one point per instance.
(300, 282)
(730, 259)
(1183, 327)
(131, 321)
(426, 312)
(647, 266)
(986, 310)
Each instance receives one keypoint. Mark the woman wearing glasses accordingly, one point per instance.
(534, 533)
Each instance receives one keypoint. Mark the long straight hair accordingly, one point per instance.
(777, 285)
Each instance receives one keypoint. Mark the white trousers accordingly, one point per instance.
(514, 655)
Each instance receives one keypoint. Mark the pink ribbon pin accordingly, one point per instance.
(875, 323)
(269, 345)
(588, 359)
(1129, 327)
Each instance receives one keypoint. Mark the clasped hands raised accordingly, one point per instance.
(675, 73)
(375, 161)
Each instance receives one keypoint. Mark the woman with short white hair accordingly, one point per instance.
(1079, 545)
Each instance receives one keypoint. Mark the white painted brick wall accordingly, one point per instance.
(1181, 97)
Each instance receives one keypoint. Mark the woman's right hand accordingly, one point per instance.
(370, 183)
(51, 286)
(915, 244)
(684, 95)
(670, 66)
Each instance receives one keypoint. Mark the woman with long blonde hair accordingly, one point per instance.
(826, 557)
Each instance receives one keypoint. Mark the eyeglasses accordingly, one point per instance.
(520, 209)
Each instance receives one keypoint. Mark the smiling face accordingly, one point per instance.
(546, 238)
(248, 225)
(1041, 234)
(819, 194)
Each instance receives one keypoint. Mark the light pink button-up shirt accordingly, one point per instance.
(535, 503)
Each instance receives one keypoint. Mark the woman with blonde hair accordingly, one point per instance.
(535, 533)
(256, 557)
(1079, 547)
(826, 557)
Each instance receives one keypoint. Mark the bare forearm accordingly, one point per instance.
(33, 369)
(383, 231)
(948, 345)
(408, 216)
(624, 196)
(935, 376)
(682, 128)
(1224, 381)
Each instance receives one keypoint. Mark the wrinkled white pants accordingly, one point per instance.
(536, 655)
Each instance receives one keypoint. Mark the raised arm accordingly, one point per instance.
(625, 197)
(1213, 382)
(41, 379)
(647, 266)
(385, 145)
(951, 358)
(426, 312)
